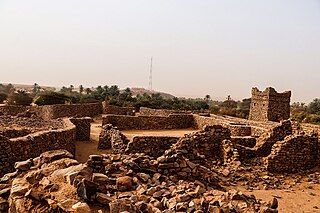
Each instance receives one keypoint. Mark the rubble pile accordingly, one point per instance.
(54, 182)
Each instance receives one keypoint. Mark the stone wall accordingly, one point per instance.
(111, 137)
(238, 126)
(14, 133)
(269, 105)
(265, 142)
(244, 141)
(202, 147)
(174, 121)
(239, 129)
(71, 110)
(12, 109)
(83, 126)
(116, 110)
(293, 154)
(278, 133)
(153, 146)
(30, 146)
(48, 112)
(145, 111)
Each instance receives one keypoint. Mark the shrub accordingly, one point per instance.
(19, 98)
(50, 98)
(3, 97)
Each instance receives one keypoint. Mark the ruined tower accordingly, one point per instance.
(269, 105)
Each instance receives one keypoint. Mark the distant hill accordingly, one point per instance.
(141, 91)
(29, 88)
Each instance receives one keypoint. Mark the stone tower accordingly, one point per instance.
(269, 105)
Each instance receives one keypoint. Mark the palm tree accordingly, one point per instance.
(207, 98)
(81, 89)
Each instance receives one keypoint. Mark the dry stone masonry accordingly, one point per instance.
(32, 145)
(111, 137)
(153, 146)
(116, 110)
(269, 105)
(158, 112)
(83, 126)
(294, 153)
(71, 110)
(174, 121)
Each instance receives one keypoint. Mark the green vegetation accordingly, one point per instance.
(3, 97)
(306, 113)
(231, 107)
(299, 111)
(19, 98)
(112, 94)
(50, 98)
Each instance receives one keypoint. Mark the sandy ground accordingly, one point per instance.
(303, 198)
(172, 132)
(86, 148)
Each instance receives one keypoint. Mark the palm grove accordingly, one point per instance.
(69, 95)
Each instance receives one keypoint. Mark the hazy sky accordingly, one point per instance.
(199, 47)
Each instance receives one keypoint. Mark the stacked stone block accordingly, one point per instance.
(111, 137)
(153, 146)
(202, 147)
(295, 153)
(116, 110)
(70, 110)
(83, 126)
(32, 145)
(174, 121)
(269, 105)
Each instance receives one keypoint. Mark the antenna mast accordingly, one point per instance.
(150, 77)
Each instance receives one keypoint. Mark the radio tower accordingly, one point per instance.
(150, 77)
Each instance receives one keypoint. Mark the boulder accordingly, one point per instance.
(100, 178)
(103, 198)
(53, 155)
(86, 190)
(124, 183)
(81, 207)
(23, 165)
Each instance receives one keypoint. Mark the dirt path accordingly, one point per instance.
(86, 148)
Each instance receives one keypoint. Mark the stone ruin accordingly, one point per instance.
(269, 105)
(193, 173)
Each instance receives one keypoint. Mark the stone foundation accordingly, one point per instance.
(153, 146)
(83, 126)
(158, 112)
(244, 141)
(72, 110)
(174, 121)
(111, 137)
(32, 145)
(12, 109)
(116, 110)
(202, 147)
(293, 154)
(238, 129)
